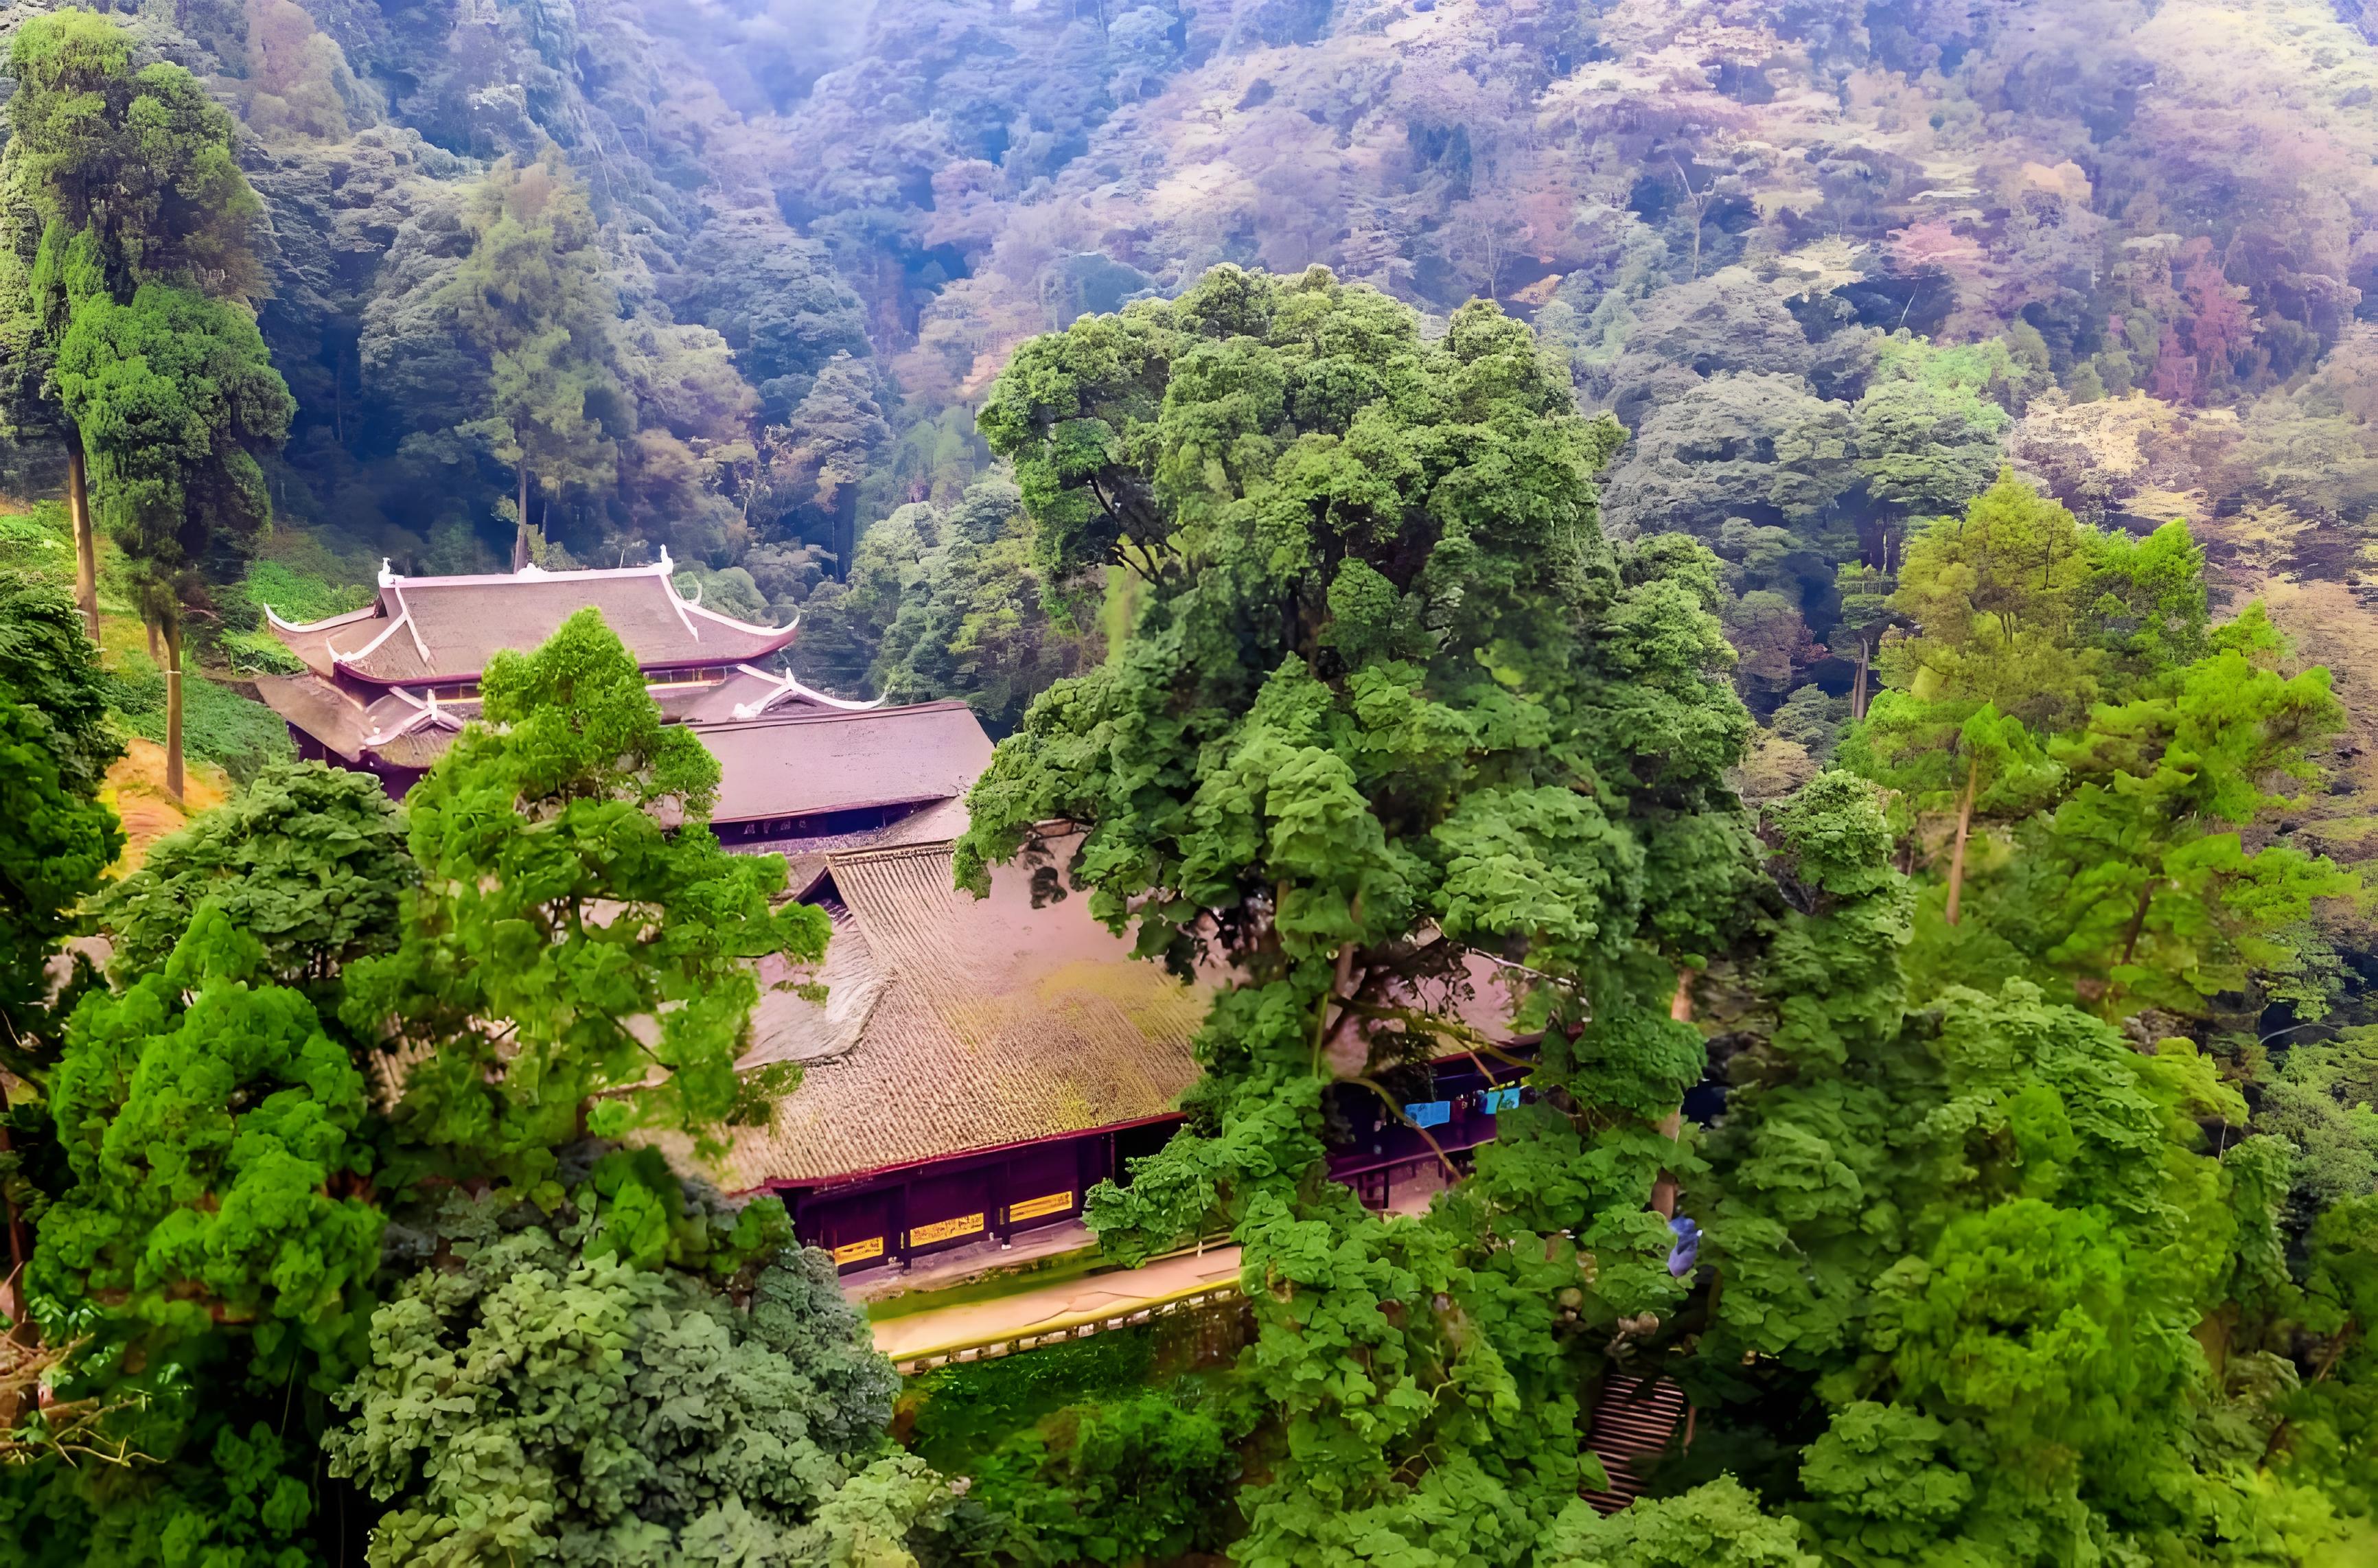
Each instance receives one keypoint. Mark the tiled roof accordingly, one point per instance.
(319, 709)
(401, 728)
(448, 628)
(990, 1023)
(806, 759)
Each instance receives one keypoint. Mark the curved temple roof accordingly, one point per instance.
(427, 629)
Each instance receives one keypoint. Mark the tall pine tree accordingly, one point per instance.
(139, 162)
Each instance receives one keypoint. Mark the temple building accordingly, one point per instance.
(976, 1066)
(388, 687)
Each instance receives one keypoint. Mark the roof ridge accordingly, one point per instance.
(940, 704)
(328, 622)
(575, 574)
(696, 607)
(893, 852)
(404, 613)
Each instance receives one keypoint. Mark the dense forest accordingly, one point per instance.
(1813, 557)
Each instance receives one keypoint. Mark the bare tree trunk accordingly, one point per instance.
(520, 533)
(1964, 827)
(174, 707)
(1672, 1126)
(86, 545)
(1858, 691)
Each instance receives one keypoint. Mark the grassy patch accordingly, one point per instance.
(301, 592)
(953, 1414)
(296, 594)
(39, 543)
(1121, 1448)
(219, 725)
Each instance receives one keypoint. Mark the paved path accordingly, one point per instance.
(1119, 1291)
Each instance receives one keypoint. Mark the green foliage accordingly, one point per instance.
(2000, 593)
(1927, 442)
(1134, 1479)
(617, 944)
(298, 595)
(1987, 1236)
(47, 660)
(531, 300)
(59, 844)
(294, 595)
(1750, 446)
(232, 1495)
(1717, 1526)
(532, 1402)
(1881, 1493)
(209, 1122)
(948, 605)
(219, 724)
(956, 1414)
(2134, 878)
(1387, 698)
(140, 161)
(2324, 1100)
(309, 860)
(38, 543)
(777, 300)
(175, 397)
(818, 458)
(55, 745)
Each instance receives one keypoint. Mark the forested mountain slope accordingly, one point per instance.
(1723, 215)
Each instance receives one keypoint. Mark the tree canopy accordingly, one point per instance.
(1389, 699)
(618, 948)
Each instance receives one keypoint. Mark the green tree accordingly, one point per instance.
(950, 604)
(208, 1260)
(1756, 446)
(1925, 448)
(1717, 1526)
(1998, 596)
(1992, 1238)
(175, 396)
(819, 456)
(210, 1123)
(51, 666)
(310, 860)
(535, 304)
(141, 163)
(532, 1401)
(573, 894)
(1957, 757)
(1866, 615)
(1389, 700)
(1140, 1479)
(55, 745)
(2140, 884)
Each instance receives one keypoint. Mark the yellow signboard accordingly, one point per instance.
(1033, 1207)
(944, 1230)
(859, 1250)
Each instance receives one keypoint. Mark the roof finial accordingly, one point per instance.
(667, 568)
(387, 577)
